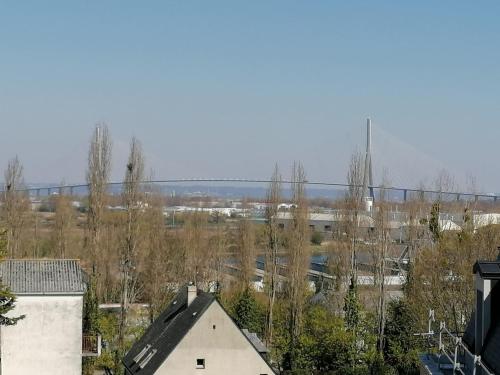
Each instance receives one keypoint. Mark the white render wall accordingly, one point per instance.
(48, 341)
(225, 349)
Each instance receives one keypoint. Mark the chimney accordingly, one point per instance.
(487, 275)
(191, 293)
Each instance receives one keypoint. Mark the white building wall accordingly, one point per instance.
(225, 349)
(48, 341)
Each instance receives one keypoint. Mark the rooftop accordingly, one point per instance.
(165, 333)
(488, 269)
(43, 276)
(256, 342)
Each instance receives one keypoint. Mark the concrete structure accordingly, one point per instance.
(48, 341)
(368, 173)
(195, 335)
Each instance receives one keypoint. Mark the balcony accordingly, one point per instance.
(91, 345)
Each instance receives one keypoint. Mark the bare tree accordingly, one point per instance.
(354, 200)
(63, 221)
(246, 249)
(382, 229)
(298, 258)
(98, 170)
(272, 248)
(133, 202)
(219, 246)
(195, 250)
(15, 206)
(158, 267)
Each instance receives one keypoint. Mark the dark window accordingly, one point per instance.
(213, 326)
(328, 228)
(200, 363)
(281, 225)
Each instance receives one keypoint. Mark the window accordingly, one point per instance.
(200, 363)
(328, 228)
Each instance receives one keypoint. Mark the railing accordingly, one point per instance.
(91, 345)
(451, 347)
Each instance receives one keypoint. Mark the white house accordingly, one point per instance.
(49, 339)
(195, 335)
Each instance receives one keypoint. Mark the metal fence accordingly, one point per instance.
(452, 350)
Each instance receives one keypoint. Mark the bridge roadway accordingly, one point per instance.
(317, 272)
(403, 190)
(314, 273)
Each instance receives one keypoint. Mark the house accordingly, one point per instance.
(195, 335)
(49, 339)
(482, 335)
(477, 352)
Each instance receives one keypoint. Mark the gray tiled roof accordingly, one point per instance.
(43, 276)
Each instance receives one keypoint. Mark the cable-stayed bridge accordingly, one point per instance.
(387, 143)
(400, 193)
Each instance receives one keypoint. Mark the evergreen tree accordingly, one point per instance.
(352, 307)
(90, 321)
(7, 299)
(352, 319)
(401, 346)
(247, 312)
(434, 222)
(91, 309)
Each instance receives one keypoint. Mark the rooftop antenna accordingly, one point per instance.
(368, 174)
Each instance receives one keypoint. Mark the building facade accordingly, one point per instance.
(49, 339)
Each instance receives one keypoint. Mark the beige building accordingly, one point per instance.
(195, 335)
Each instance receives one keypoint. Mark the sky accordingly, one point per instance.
(229, 88)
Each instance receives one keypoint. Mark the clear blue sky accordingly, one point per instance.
(228, 88)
